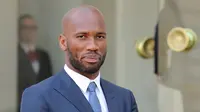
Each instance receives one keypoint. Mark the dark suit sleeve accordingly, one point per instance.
(134, 107)
(32, 101)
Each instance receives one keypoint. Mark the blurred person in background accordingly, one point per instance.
(34, 64)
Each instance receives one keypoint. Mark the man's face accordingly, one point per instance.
(86, 44)
(28, 31)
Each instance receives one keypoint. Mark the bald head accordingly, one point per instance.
(84, 13)
(84, 40)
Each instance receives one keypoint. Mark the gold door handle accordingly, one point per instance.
(181, 39)
(145, 48)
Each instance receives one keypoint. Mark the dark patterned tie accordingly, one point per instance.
(32, 56)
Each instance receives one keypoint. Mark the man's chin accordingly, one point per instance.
(91, 69)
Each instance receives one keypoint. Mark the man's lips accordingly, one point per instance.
(91, 58)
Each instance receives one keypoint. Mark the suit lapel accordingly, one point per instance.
(23, 55)
(69, 90)
(110, 96)
(26, 63)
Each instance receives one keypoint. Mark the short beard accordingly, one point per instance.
(81, 67)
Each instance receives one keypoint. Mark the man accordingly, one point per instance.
(78, 87)
(33, 63)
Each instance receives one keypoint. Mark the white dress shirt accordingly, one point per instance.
(35, 64)
(83, 83)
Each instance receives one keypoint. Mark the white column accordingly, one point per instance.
(8, 55)
(136, 19)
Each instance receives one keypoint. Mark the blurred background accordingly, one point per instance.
(29, 31)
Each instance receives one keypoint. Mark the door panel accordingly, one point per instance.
(180, 69)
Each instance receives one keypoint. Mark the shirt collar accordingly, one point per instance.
(27, 47)
(82, 81)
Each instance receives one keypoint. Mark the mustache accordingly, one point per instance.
(92, 55)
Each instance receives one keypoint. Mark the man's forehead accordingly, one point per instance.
(89, 30)
(86, 25)
(84, 20)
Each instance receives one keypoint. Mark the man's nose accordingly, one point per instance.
(92, 45)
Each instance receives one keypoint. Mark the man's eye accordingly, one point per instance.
(81, 36)
(101, 37)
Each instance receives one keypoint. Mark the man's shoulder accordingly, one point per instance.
(124, 95)
(43, 86)
(114, 87)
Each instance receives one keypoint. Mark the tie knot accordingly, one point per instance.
(32, 56)
(92, 86)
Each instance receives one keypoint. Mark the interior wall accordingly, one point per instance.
(8, 48)
(29, 6)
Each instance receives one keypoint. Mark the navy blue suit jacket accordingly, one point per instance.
(59, 93)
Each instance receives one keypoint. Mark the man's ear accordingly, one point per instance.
(62, 42)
